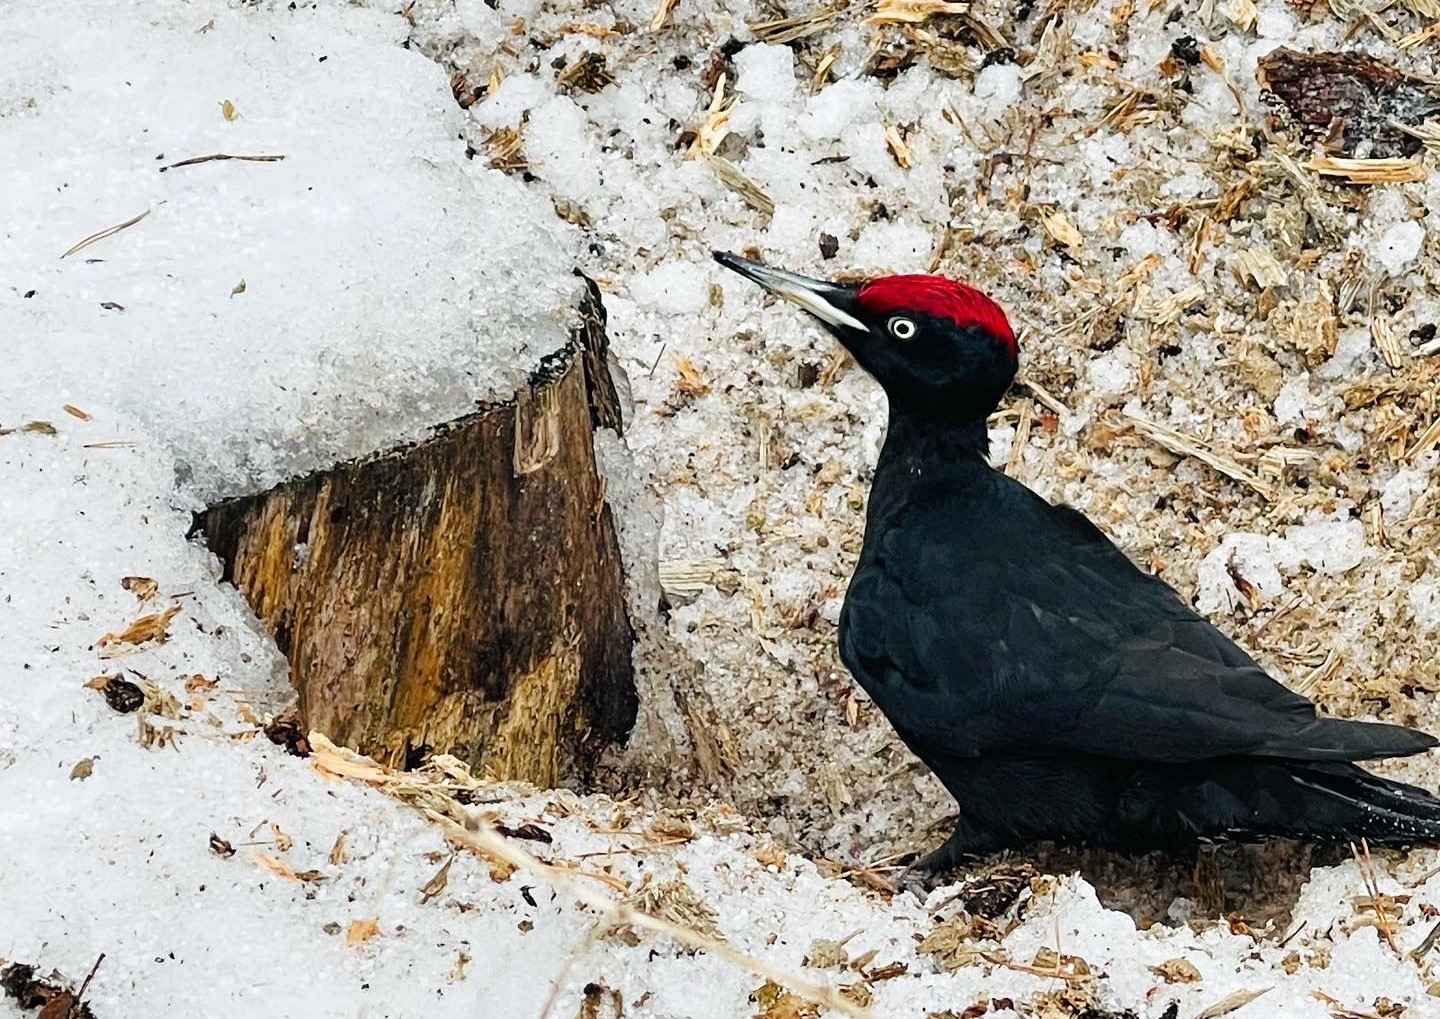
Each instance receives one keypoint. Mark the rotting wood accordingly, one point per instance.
(461, 594)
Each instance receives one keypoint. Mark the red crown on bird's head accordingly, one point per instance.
(943, 298)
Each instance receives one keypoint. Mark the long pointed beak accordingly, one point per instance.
(829, 302)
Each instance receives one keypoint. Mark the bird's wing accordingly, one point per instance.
(1033, 634)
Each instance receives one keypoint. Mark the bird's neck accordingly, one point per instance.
(915, 441)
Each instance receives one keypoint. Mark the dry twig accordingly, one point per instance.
(194, 160)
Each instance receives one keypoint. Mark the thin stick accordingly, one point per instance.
(1016, 461)
(1045, 396)
(193, 160)
(1423, 949)
(80, 994)
(107, 232)
(571, 957)
(488, 841)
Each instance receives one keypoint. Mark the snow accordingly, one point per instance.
(390, 282)
(1328, 547)
(201, 321)
(1400, 245)
(1001, 85)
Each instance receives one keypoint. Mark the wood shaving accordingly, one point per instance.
(793, 28)
(1058, 226)
(662, 14)
(1260, 266)
(1369, 171)
(897, 147)
(733, 178)
(153, 627)
(690, 382)
(1185, 445)
(715, 126)
(913, 12)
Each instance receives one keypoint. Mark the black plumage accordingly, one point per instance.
(1058, 691)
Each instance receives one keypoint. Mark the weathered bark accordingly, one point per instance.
(1348, 101)
(463, 594)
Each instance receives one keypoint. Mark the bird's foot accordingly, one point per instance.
(927, 873)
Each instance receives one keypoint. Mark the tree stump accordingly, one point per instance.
(460, 595)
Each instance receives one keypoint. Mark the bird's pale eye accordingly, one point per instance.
(901, 327)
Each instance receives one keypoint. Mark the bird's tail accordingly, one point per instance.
(1347, 802)
(1246, 800)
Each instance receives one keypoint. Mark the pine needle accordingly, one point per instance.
(107, 232)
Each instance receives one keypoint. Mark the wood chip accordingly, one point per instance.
(1427, 441)
(662, 14)
(687, 578)
(1242, 14)
(1369, 171)
(436, 884)
(283, 841)
(1387, 342)
(84, 768)
(361, 931)
(1058, 226)
(1420, 36)
(715, 126)
(733, 178)
(913, 12)
(1176, 971)
(771, 855)
(1015, 463)
(153, 627)
(1259, 265)
(897, 146)
(143, 588)
(691, 382)
(1184, 445)
(822, 68)
(277, 867)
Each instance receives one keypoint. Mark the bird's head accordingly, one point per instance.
(935, 345)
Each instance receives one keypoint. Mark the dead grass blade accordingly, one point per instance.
(1383, 923)
(1230, 1003)
(793, 28)
(107, 232)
